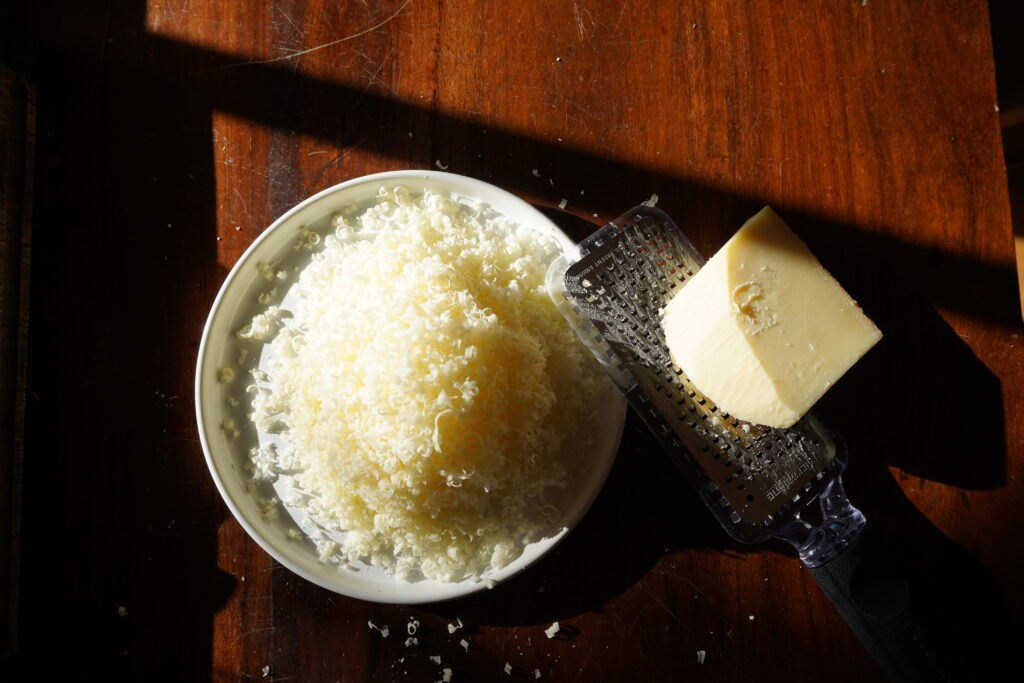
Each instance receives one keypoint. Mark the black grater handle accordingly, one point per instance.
(884, 607)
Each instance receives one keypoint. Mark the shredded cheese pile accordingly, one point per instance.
(427, 389)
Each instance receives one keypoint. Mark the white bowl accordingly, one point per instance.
(226, 456)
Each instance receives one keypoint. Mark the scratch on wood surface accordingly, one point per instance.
(559, 98)
(695, 587)
(332, 42)
(584, 665)
(671, 613)
(635, 620)
(316, 48)
(245, 207)
(630, 627)
(618, 20)
(373, 77)
(242, 167)
(156, 12)
(289, 19)
(579, 20)
(255, 630)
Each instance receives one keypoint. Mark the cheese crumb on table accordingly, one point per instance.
(383, 630)
(552, 630)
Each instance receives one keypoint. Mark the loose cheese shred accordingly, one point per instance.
(427, 390)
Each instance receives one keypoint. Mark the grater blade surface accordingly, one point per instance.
(612, 288)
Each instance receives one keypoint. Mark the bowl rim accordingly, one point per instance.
(466, 186)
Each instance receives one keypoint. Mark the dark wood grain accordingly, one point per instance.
(171, 133)
(17, 155)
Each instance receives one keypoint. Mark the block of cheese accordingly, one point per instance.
(763, 330)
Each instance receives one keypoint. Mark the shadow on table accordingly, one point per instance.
(921, 401)
(119, 554)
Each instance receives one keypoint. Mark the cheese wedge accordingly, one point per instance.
(763, 330)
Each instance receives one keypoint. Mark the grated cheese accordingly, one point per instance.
(263, 327)
(425, 387)
(230, 427)
(552, 631)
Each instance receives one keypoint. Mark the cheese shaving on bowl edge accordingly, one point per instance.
(429, 398)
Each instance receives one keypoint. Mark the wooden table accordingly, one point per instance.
(171, 133)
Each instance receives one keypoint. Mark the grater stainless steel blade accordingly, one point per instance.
(756, 480)
(759, 482)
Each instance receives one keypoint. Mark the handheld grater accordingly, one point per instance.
(759, 482)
